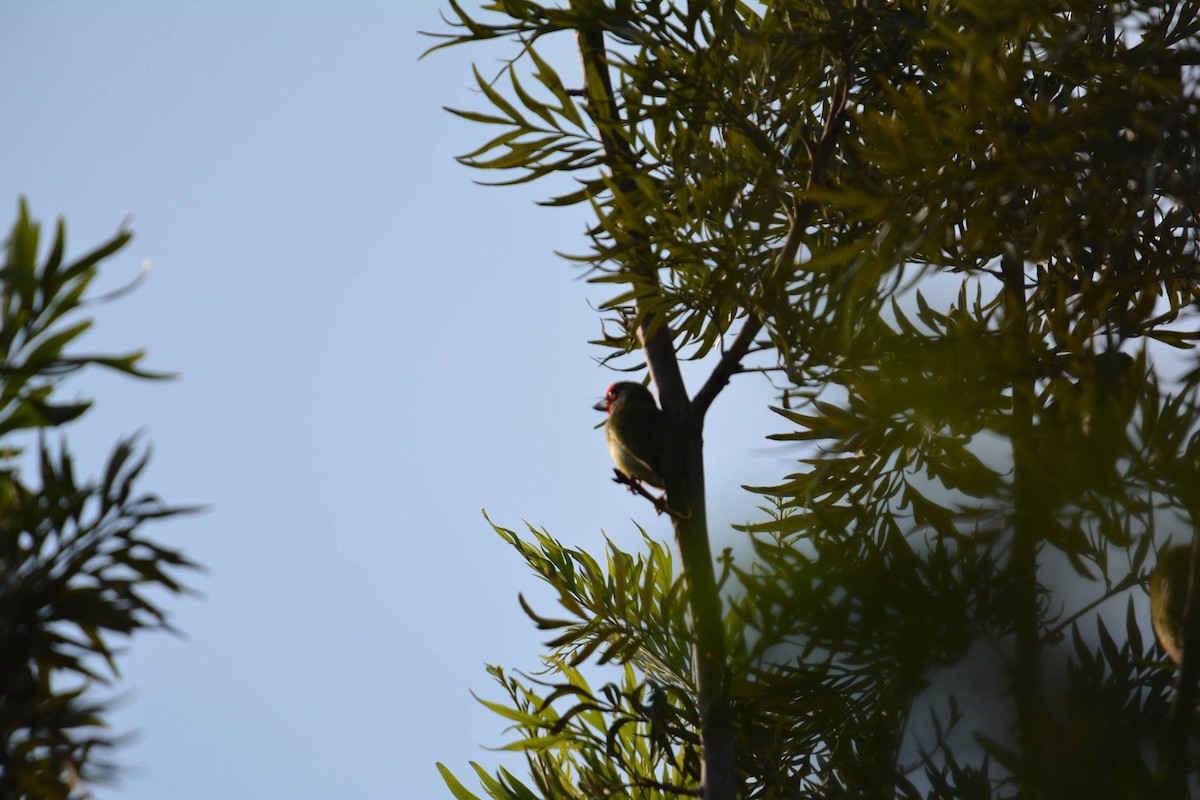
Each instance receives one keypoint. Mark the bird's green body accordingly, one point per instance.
(1168, 596)
(643, 441)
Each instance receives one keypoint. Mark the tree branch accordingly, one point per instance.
(1028, 521)
(635, 486)
(801, 213)
(602, 102)
(1126, 583)
(718, 769)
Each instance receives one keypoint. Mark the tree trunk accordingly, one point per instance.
(1028, 520)
(718, 777)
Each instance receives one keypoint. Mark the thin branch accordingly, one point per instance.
(763, 370)
(802, 211)
(718, 767)
(1126, 583)
(661, 359)
(729, 364)
(636, 487)
(1029, 518)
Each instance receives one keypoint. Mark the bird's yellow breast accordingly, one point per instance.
(629, 463)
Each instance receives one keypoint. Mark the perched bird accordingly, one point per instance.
(644, 443)
(1168, 596)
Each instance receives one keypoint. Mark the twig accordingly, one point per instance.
(635, 486)
(1126, 583)
(802, 211)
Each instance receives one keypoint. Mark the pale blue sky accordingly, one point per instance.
(371, 350)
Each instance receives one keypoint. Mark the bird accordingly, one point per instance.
(1168, 596)
(645, 444)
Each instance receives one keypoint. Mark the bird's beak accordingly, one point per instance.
(601, 406)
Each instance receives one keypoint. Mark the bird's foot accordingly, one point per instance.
(635, 487)
(629, 482)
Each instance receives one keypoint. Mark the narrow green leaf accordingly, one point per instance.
(457, 789)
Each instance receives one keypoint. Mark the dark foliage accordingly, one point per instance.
(77, 575)
(960, 239)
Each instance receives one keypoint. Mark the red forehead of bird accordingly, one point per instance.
(612, 392)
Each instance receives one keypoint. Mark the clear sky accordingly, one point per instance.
(371, 350)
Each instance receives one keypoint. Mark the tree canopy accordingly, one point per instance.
(960, 240)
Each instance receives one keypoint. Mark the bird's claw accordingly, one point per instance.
(629, 482)
(635, 487)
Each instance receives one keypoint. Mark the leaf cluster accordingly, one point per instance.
(714, 122)
(77, 575)
(963, 240)
(633, 736)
